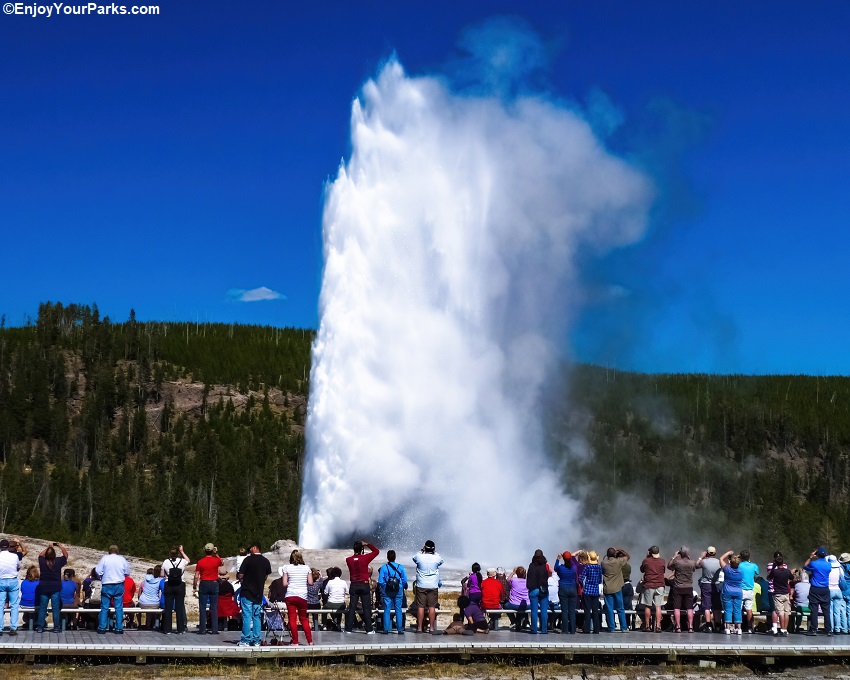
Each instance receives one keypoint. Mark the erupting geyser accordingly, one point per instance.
(449, 239)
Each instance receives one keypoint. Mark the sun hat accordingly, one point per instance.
(844, 558)
(491, 571)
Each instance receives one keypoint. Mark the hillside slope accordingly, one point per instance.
(150, 433)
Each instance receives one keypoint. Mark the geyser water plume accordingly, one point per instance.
(449, 239)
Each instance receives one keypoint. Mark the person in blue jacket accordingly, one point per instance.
(392, 581)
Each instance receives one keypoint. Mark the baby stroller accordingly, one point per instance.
(274, 622)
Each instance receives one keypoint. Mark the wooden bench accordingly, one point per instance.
(87, 610)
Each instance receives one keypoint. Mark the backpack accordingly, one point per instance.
(393, 585)
(95, 588)
(175, 574)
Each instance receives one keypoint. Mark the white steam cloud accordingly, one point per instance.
(449, 240)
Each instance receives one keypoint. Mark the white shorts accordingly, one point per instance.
(747, 596)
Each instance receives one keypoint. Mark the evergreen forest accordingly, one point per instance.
(99, 445)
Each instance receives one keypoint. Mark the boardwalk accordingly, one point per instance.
(146, 646)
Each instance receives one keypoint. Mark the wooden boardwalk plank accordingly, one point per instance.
(152, 644)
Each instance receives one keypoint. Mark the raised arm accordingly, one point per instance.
(724, 558)
(184, 556)
(63, 549)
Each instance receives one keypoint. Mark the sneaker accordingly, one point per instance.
(101, 632)
(383, 632)
(243, 644)
(13, 632)
(371, 632)
(39, 629)
(728, 632)
(811, 633)
(57, 630)
(118, 632)
(401, 632)
(347, 632)
(738, 631)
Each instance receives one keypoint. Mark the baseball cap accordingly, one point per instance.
(4, 544)
(711, 550)
(209, 547)
(821, 552)
(491, 571)
(429, 544)
(654, 550)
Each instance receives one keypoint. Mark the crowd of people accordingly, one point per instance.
(685, 593)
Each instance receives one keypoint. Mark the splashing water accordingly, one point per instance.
(449, 240)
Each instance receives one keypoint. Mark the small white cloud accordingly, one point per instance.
(253, 295)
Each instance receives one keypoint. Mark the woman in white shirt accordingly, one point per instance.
(296, 577)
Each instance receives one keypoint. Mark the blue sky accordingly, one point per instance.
(169, 163)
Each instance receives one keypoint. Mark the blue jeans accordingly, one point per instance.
(568, 595)
(539, 605)
(614, 602)
(208, 598)
(732, 603)
(109, 592)
(55, 600)
(10, 588)
(394, 604)
(251, 623)
(837, 611)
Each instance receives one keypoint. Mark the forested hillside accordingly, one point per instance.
(153, 433)
(148, 434)
(759, 459)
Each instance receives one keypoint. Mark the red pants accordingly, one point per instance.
(296, 608)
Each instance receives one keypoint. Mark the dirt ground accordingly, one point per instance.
(431, 671)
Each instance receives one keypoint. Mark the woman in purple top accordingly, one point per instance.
(518, 598)
(50, 585)
(473, 584)
(473, 615)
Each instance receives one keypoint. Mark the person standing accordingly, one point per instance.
(50, 589)
(709, 591)
(682, 592)
(612, 586)
(392, 580)
(11, 554)
(253, 572)
(749, 570)
(591, 580)
(427, 563)
(174, 589)
(205, 587)
(733, 580)
(819, 570)
(537, 583)
(359, 590)
(567, 591)
(653, 568)
(780, 578)
(296, 577)
(112, 570)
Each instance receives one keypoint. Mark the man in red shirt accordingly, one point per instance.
(653, 568)
(358, 568)
(205, 588)
(492, 592)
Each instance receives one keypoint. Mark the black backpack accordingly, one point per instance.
(175, 574)
(393, 585)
